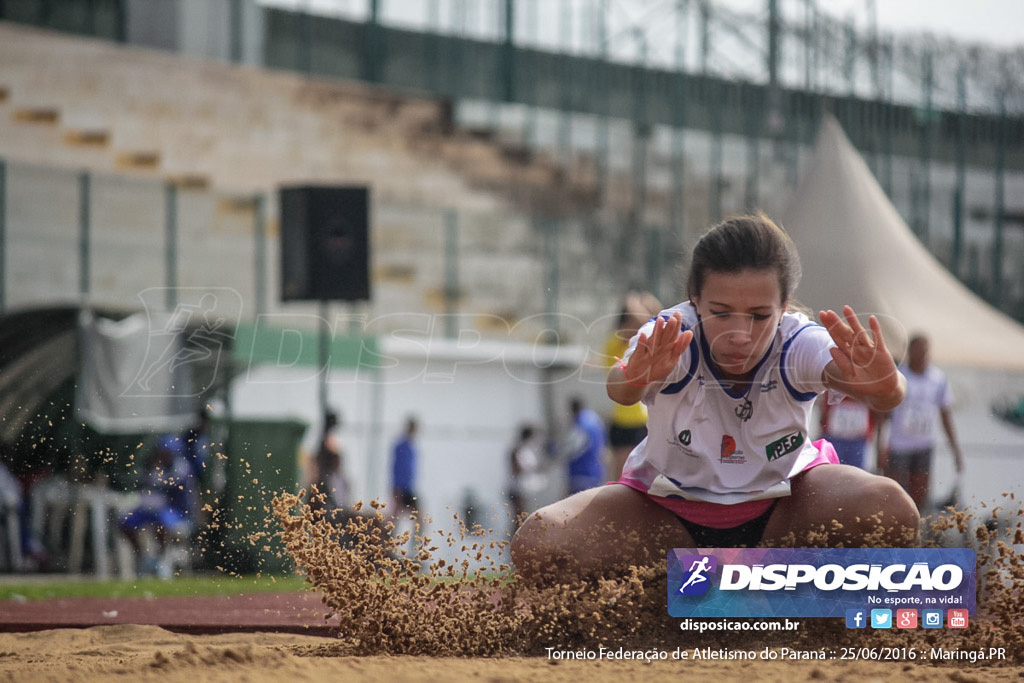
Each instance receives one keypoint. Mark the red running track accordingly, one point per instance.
(301, 613)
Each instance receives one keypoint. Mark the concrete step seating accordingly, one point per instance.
(242, 128)
(239, 130)
(132, 113)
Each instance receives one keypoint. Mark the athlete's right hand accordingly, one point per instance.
(655, 356)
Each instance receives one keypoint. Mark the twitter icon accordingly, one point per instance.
(881, 618)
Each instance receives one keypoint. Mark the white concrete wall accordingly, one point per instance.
(992, 448)
(469, 399)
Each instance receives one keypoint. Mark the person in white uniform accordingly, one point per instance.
(729, 380)
(907, 455)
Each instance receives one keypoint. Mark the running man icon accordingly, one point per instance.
(698, 569)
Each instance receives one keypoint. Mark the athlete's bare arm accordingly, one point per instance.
(653, 359)
(861, 364)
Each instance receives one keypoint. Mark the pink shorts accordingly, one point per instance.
(719, 516)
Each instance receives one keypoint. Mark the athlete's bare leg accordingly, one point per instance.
(840, 504)
(595, 531)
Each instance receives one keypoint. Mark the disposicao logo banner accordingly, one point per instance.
(817, 582)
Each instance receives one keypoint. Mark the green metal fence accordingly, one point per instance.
(932, 152)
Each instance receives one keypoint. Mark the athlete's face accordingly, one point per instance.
(918, 353)
(739, 315)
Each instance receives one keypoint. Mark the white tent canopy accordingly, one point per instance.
(856, 249)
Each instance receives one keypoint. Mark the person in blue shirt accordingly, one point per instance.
(168, 502)
(195, 445)
(403, 470)
(586, 448)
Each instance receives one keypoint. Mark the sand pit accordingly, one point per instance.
(130, 653)
(414, 618)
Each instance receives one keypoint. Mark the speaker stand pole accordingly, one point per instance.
(324, 360)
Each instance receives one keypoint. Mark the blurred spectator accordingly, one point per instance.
(52, 501)
(329, 470)
(628, 425)
(22, 548)
(168, 505)
(525, 478)
(10, 519)
(404, 455)
(584, 448)
(849, 426)
(470, 509)
(196, 445)
(907, 457)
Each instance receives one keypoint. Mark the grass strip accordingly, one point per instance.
(44, 588)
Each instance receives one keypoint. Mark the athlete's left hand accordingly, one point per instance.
(862, 365)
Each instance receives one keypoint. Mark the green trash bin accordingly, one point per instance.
(262, 462)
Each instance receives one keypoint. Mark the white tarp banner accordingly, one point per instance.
(132, 376)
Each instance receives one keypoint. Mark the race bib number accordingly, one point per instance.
(917, 421)
(849, 421)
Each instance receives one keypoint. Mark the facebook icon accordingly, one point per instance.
(856, 618)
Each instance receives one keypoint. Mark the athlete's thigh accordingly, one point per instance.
(840, 503)
(598, 529)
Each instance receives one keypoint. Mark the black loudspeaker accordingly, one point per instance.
(325, 246)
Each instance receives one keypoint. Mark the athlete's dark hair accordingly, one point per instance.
(742, 243)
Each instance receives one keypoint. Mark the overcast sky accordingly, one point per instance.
(998, 23)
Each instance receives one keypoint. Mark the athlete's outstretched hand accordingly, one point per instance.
(862, 365)
(656, 355)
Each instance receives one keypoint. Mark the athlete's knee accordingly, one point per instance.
(526, 540)
(539, 548)
(891, 512)
(892, 497)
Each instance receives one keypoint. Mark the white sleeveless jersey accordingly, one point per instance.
(705, 442)
(915, 421)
